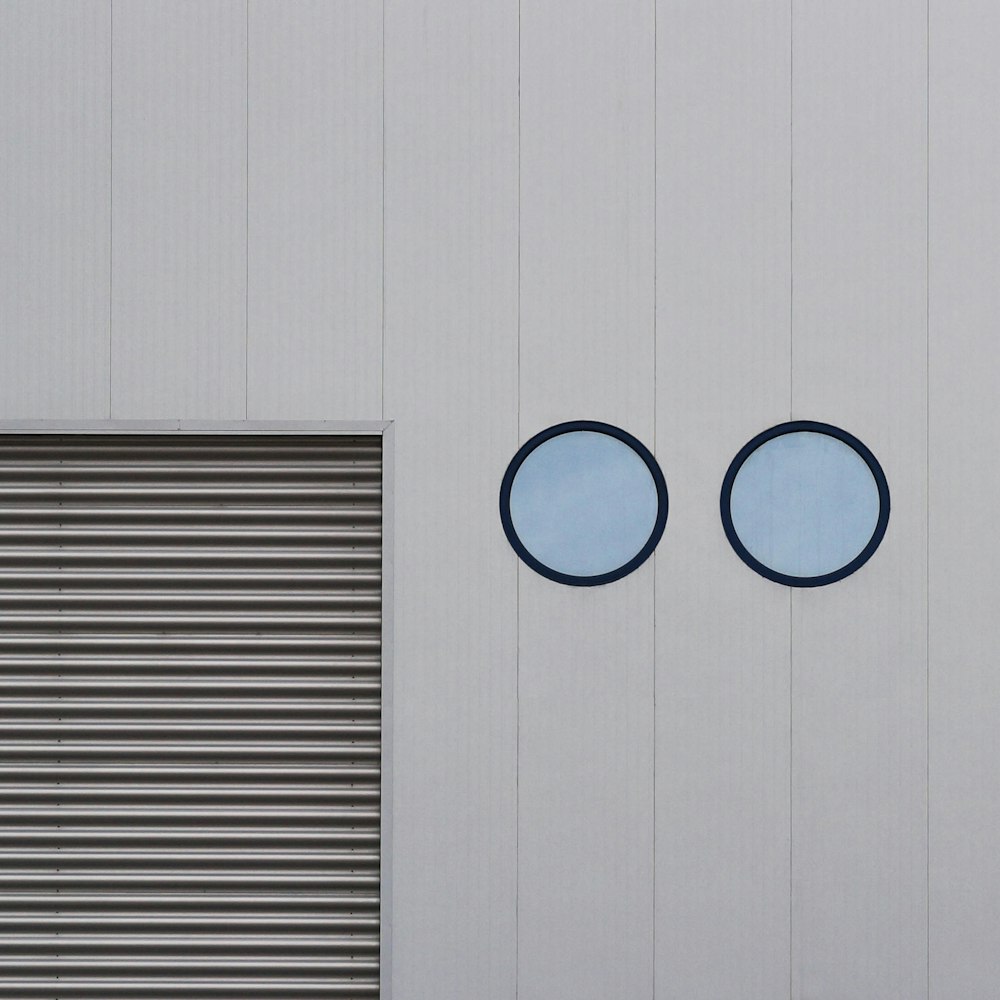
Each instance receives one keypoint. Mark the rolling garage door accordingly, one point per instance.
(190, 702)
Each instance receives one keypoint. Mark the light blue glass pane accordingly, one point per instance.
(805, 504)
(583, 503)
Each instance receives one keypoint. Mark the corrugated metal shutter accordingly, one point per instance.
(190, 704)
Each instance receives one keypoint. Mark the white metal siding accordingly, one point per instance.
(55, 208)
(451, 388)
(190, 694)
(859, 359)
(586, 659)
(178, 208)
(270, 171)
(723, 372)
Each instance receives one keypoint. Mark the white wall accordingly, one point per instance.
(692, 218)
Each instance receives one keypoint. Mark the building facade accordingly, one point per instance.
(460, 223)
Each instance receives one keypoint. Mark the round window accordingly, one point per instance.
(805, 504)
(583, 503)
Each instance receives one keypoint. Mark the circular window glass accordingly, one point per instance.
(583, 503)
(805, 504)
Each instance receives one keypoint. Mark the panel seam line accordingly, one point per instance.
(655, 303)
(517, 600)
(791, 412)
(111, 201)
(381, 387)
(246, 223)
(927, 488)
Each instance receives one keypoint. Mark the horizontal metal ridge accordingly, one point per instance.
(357, 926)
(192, 877)
(123, 515)
(141, 444)
(363, 557)
(237, 752)
(173, 490)
(155, 815)
(252, 480)
(349, 655)
(261, 774)
(216, 729)
(247, 881)
(156, 535)
(223, 942)
(345, 554)
(220, 622)
(177, 965)
(138, 599)
(218, 665)
(333, 709)
(210, 578)
(200, 643)
(42, 685)
(185, 988)
(130, 467)
(69, 859)
(194, 836)
(203, 751)
(14, 456)
(74, 778)
(345, 680)
(345, 618)
(176, 794)
(267, 791)
(315, 444)
(258, 905)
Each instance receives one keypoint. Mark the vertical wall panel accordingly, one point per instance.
(964, 482)
(178, 322)
(55, 111)
(585, 816)
(859, 750)
(722, 632)
(315, 209)
(450, 385)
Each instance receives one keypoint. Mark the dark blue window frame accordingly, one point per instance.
(566, 428)
(794, 427)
